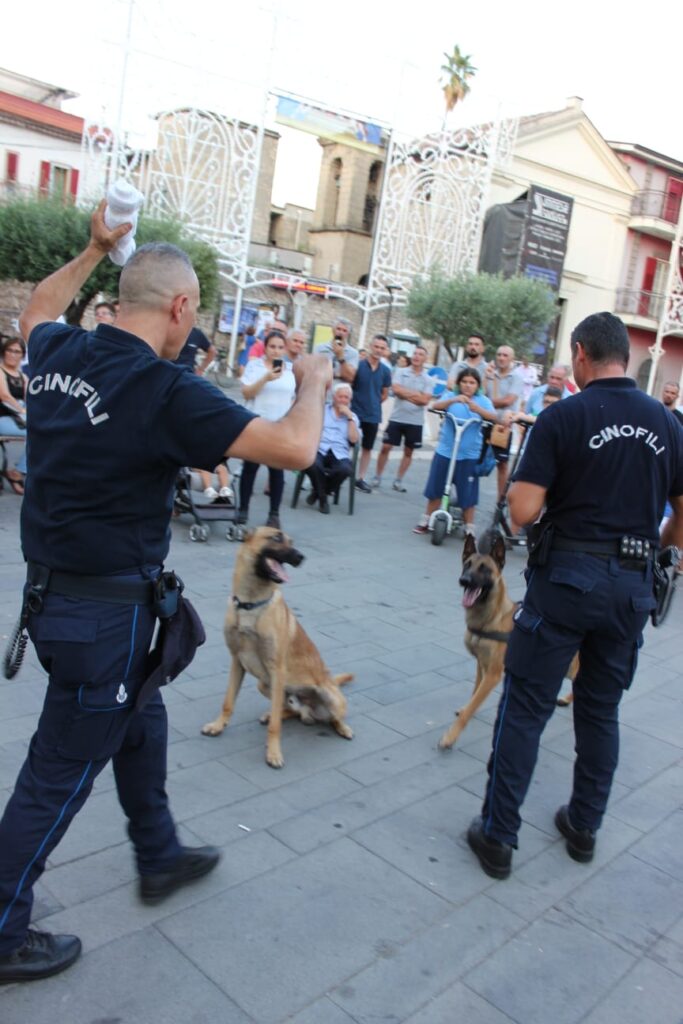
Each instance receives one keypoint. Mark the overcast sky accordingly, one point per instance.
(357, 55)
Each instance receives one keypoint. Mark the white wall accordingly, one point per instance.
(33, 147)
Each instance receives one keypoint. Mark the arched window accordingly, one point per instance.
(333, 190)
(372, 195)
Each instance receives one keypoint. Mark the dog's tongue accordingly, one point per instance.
(470, 596)
(277, 570)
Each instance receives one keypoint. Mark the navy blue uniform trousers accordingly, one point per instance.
(95, 655)
(576, 602)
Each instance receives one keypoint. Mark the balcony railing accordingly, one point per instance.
(634, 302)
(660, 205)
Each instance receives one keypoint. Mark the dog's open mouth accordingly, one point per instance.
(276, 570)
(470, 596)
(271, 563)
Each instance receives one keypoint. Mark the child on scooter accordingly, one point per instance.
(462, 404)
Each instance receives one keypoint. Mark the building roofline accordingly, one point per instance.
(635, 149)
(51, 120)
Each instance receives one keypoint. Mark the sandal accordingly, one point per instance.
(15, 480)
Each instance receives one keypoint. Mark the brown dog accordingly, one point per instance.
(488, 617)
(265, 639)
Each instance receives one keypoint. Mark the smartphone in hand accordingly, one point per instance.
(277, 364)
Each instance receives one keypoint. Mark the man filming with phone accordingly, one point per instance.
(344, 356)
(268, 386)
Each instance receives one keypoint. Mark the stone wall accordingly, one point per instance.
(15, 294)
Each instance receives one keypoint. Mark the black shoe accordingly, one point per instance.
(494, 857)
(362, 486)
(40, 956)
(311, 498)
(273, 521)
(193, 863)
(580, 841)
(325, 507)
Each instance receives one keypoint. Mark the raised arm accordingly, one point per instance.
(292, 442)
(53, 295)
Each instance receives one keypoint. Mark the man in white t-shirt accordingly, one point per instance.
(412, 389)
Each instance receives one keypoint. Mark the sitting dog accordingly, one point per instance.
(265, 639)
(489, 618)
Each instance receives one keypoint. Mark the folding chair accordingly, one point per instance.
(350, 480)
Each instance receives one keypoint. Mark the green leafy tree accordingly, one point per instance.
(456, 72)
(507, 311)
(39, 236)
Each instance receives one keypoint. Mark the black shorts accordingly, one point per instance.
(369, 432)
(411, 433)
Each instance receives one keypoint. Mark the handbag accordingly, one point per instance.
(500, 436)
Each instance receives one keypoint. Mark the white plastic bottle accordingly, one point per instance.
(123, 205)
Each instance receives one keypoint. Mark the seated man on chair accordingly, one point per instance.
(333, 462)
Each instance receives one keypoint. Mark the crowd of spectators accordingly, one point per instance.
(499, 393)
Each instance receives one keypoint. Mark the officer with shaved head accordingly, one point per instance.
(111, 420)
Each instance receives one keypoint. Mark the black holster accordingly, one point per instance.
(540, 542)
(167, 589)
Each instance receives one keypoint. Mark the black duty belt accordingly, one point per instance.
(605, 548)
(108, 589)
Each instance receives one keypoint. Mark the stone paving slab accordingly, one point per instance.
(139, 978)
(527, 978)
(327, 915)
(353, 896)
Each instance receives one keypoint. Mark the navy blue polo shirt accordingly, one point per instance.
(609, 458)
(368, 385)
(110, 424)
(188, 354)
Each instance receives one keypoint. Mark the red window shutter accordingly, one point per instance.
(12, 172)
(44, 185)
(646, 287)
(672, 204)
(73, 183)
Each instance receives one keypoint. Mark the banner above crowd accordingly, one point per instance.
(329, 124)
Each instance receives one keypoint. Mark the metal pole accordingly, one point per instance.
(114, 162)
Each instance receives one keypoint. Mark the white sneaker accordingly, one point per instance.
(376, 481)
(210, 493)
(399, 486)
(226, 492)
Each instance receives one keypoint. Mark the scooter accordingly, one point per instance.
(447, 518)
(500, 519)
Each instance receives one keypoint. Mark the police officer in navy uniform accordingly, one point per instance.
(196, 340)
(111, 421)
(603, 464)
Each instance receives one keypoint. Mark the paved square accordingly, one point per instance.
(346, 892)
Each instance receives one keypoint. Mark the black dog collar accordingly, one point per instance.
(249, 606)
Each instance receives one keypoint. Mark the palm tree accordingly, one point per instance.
(458, 71)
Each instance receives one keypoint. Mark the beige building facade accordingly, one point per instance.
(564, 152)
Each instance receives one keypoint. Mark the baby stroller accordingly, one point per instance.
(202, 513)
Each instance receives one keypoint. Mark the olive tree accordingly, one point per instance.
(38, 236)
(512, 311)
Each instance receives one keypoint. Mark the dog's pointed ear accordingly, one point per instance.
(498, 550)
(469, 548)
